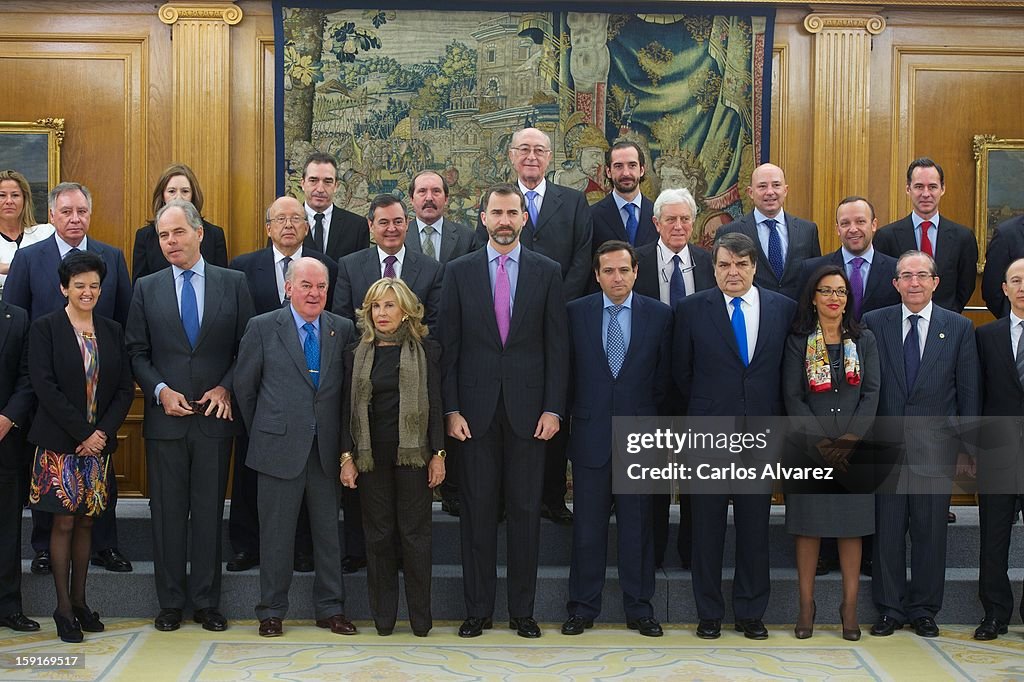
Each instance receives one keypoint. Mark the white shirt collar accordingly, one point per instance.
(761, 217)
(381, 255)
(539, 189)
(63, 247)
(925, 313)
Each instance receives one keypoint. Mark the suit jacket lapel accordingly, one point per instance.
(720, 318)
(614, 220)
(905, 237)
(876, 278)
(289, 336)
(328, 342)
(213, 297)
(167, 300)
(795, 230)
(549, 207)
(266, 278)
(933, 345)
(945, 248)
(892, 337)
(448, 240)
(411, 268)
(646, 232)
(481, 291)
(749, 228)
(371, 268)
(595, 334)
(523, 296)
(334, 236)
(637, 330)
(1005, 349)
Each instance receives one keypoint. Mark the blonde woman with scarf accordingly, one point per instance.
(830, 385)
(399, 449)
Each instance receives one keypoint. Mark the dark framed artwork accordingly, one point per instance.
(999, 192)
(33, 149)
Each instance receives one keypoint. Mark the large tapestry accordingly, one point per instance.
(391, 92)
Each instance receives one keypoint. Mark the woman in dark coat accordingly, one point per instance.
(81, 375)
(399, 449)
(831, 379)
(177, 182)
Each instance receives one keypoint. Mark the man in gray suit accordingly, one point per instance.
(184, 326)
(783, 240)
(930, 377)
(291, 388)
(433, 235)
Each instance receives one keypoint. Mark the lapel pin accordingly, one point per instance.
(941, 335)
(332, 332)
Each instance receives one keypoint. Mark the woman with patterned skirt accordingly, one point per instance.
(82, 377)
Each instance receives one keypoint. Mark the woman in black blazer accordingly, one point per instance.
(81, 375)
(177, 182)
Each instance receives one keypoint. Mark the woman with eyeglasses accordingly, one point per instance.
(177, 182)
(831, 381)
(18, 226)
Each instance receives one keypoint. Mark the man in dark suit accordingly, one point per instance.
(663, 277)
(32, 284)
(625, 214)
(443, 240)
(183, 332)
(433, 235)
(621, 346)
(952, 245)
(265, 272)
(505, 362)
(1007, 245)
(929, 378)
(291, 387)
(867, 267)
(1000, 470)
(727, 361)
(783, 240)
(17, 402)
(333, 231)
(559, 225)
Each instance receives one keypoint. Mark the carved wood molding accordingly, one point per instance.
(214, 11)
(818, 22)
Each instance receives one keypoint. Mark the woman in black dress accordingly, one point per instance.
(831, 379)
(399, 449)
(80, 372)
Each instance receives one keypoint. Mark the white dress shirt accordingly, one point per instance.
(665, 266)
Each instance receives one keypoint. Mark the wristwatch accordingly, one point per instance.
(441, 453)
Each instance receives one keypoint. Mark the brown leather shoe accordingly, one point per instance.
(271, 627)
(338, 624)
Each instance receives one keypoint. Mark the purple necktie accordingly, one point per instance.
(857, 284)
(502, 299)
(389, 266)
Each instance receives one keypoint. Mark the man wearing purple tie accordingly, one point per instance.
(505, 359)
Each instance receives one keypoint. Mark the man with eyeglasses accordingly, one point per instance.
(951, 245)
(266, 271)
(930, 377)
(333, 231)
(559, 226)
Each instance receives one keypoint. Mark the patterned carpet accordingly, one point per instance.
(131, 650)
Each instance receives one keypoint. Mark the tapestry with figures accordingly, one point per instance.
(390, 92)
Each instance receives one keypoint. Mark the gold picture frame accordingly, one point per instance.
(998, 194)
(33, 149)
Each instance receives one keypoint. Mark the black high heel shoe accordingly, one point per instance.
(68, 629)
(88, 619)
(853, 634)
(805, 631)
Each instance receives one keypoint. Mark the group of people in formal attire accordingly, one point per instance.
(366, 376)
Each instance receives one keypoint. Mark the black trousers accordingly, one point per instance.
(684, 539)
(13, 489)
(996, 514)
(555, 462)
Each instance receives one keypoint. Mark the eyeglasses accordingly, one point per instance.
(911, 276)
(526, 150)
(829, 292)
(290, 219)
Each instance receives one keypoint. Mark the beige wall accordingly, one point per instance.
(935, 77)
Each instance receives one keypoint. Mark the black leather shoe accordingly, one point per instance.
(989, 629)
(752, 628)
(211, 619)
(648, 626)
(303, 563)
(112, 560)
(558, 514)
(576, 625)
(19, 622)
(243, 561)
(925, 626)
(709, 628)
(822, 568)
(68, 630)
(167, 620)
(351, 564)
(525, 627)
(88, 619)
(451, 505)
(885, 626)
(41, 563)
(866, 567)
(474, 627)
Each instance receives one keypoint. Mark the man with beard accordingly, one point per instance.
(625, 214)
(505, 362)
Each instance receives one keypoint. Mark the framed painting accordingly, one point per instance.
(999, 194)
(33, 149)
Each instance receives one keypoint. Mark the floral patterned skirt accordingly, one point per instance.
(69, 484)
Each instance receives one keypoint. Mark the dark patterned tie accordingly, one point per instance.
(631, 223)
(311, 349)
(285, 262)
(857, 284)
(389, 266)
(912, 353)
(676, 284)
(189, 308)
(427, 244)
(318, 232)
(616, 341)
(775, 257)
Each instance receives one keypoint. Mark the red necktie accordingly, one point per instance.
(926, 243)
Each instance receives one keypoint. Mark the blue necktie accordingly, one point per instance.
(312, 350)
(739, 328)
(189, 308)
(775, 258)
(616, 342)
(73, 249)
(676, 284)
(912, 353)
(531, 206)
(631, 223)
